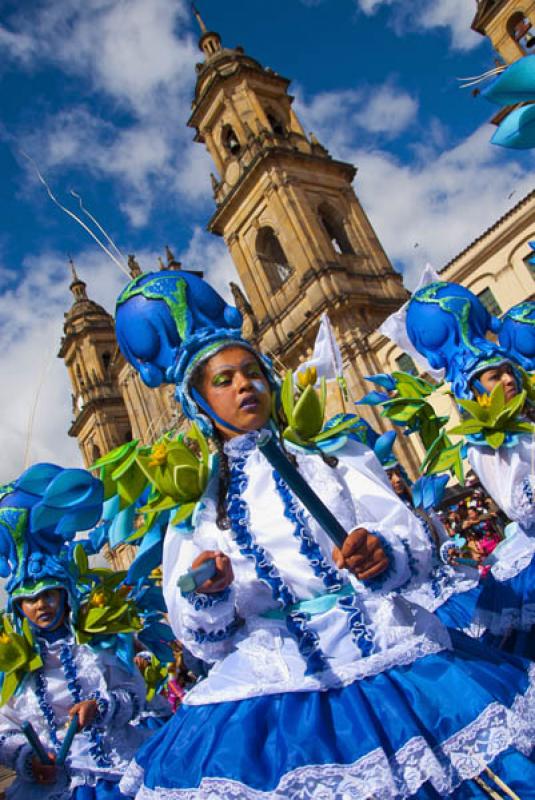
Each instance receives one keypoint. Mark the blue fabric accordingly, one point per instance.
(512, 594)
(257, 741)
(458, 611)
(104, 790)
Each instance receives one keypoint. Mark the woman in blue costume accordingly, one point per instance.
(447, 324)
(48, 674)
(450, 590)
(324, 683)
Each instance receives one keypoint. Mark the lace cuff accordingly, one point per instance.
(201, 601)
(124, 705)
(209, 623)
(383, 580)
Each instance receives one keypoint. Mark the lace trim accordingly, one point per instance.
(405, 652)
(460, 758)
(294, 512)
(308, 643)
(523, 502)
(238, 513)
(505, 570)
(506, 619)
(361, 634)
(200, 601)
(199, 635)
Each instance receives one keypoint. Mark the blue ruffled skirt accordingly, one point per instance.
(506, 605)
(459, 610)
(104, 790)
(417, 730)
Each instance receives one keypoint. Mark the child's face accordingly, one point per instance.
(42, 609)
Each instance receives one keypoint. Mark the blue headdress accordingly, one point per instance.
(517, 334)
(167, 324)
(39, 512)
(447, 324)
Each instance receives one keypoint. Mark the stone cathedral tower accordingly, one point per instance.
(100, 418)
(297, 233)
(509, 24)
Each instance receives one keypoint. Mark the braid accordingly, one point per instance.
(222, 520)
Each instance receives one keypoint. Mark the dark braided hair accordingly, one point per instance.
(222, 518)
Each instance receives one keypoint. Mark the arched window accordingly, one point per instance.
(95, 452)
(106, 359)
(230, 141)
(520, 28)
(276, 125)
(273, 257)
(332, 222)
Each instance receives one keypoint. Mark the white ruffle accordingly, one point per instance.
(462, 757)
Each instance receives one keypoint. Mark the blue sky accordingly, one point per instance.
(98, 94)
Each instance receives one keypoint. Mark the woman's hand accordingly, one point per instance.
(362, 554)
(44, 773)
(223, 576)
(86, 710)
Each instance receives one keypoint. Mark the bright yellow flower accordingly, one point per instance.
(158, 455)
(98, 600)
(307, 377)
(4, 638)
(483, 400)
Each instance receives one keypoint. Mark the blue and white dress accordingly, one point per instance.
(101, 752)
(322, 687)
(508, 475)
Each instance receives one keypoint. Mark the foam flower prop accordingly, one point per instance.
(106, 610)
(121, 473)
(18, 656)
(177, 474)
(305, 413)
(492, 418)
(155, 674)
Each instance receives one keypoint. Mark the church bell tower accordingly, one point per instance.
(88, 347)
(286, 209)
(510, 26)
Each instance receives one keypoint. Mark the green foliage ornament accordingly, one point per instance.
(178, 476)
(121, 473)
(154, 674)
(18, 656)
(304, 409)
(491, 419)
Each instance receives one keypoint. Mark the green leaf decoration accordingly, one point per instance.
(401, 409)
(18, 656)
(287, 395)
(307, 417)
(495, 439)
(184, 512)
(411, 386)
(336, 430)
(80, 559)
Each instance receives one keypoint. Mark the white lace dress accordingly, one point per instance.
(302, 654)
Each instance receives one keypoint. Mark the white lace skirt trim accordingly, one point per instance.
(505, 570)
(462, 757)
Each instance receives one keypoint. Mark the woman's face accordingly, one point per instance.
(502, 374)
(235, 387)
(43, 608)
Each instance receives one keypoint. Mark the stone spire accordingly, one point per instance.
(77, 287)
(210, 41)
(133, 266)
(172, 262)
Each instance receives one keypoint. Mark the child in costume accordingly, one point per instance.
(323, 683)
(49, 675)
(447, 324)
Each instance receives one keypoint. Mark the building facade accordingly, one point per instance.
(301, 243)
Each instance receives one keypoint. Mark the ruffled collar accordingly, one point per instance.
(240, 446)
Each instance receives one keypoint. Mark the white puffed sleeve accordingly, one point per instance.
(508, 476)
(380, 511)
(205, 623)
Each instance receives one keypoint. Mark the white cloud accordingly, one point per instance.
(428, 209)
(385, 109)
(454, 15)
(209, 254)
(140, 56)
